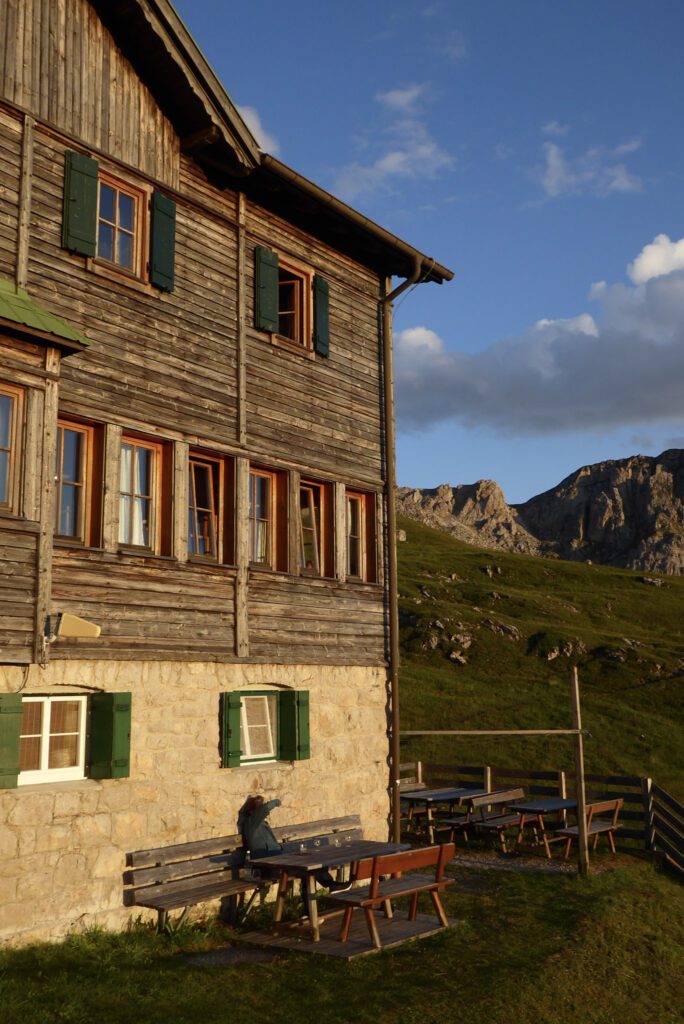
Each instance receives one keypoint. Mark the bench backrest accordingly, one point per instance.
(169, 864)
(410, 860)
(497, 798)
(612, 807)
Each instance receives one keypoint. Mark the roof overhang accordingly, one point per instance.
(23, 317)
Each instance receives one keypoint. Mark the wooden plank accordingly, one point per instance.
(33, 439)
(46, 505)
(110, 502)
(242, 558)
(181, 452)
(666, 798)
(241, 361)
(21, 274)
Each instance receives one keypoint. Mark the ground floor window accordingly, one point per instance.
(264, 725)
(52, 741)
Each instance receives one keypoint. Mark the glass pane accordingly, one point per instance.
(259, 536)
(63, 752)
(287, 326)
(261, 490)
(125, 519)
(141, 522)
(126, 462)
(203, 496)
(105, 241)
(5, 420)
(29, 754)
(124, 251)
(205, 537)
(68, 510)
(143, 464)
(31, 717)
(64, 716)
(72, 447)
(126, 211)
(4, 476)
(107, 202)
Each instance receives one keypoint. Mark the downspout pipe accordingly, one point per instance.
(392, 572)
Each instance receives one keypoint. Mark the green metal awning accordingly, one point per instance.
(18, 308)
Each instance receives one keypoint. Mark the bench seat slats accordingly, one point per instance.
(593, 829)
(178, 869)
(392, 888)
(159, 898)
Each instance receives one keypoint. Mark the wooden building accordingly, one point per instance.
(195, 449)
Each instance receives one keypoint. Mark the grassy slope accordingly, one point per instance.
(632, 696)
(531, 948)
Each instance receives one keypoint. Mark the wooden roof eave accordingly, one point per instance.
(165, 56)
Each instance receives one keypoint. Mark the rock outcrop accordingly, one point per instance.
(627, 513)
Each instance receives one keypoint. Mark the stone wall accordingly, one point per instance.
(63, 845)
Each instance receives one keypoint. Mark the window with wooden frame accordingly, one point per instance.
(65, 737)
(52, 739)
(267, 519)
(77, 482)
(361, 536)
(291, 303)
(315, 528)
(121, 227)
(11, 418)
(210, 508)
(144, 500)
(264, 725)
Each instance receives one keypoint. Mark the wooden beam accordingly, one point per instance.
(181, 451)
(46, 505)
(199, 140)
(340, 569)
(242, 558)
(110, 511)
(241, 362)
(23, 223)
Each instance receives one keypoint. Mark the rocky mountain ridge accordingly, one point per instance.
(627, 513)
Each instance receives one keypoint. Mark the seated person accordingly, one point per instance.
(259, 841)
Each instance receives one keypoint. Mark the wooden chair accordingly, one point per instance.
(381, 891)
(595, 826)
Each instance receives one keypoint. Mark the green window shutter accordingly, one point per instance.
(110, 735)
(293, 725)
(10, 730)
(321, 316)
(79, 222)
(265, 289)
(230, 730)
(163, 242)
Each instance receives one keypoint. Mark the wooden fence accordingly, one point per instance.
(650, 816)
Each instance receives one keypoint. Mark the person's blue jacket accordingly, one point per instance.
(257, 834)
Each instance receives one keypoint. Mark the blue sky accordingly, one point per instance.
(536, 148)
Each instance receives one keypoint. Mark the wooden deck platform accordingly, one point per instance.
(392, 933)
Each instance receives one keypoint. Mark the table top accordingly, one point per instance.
(546, 806)
(330, 856)
(440, 796)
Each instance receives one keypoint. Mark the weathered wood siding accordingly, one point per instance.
(320, 619)
(329, 411)
(18, 554)
(10, 162)
(145, 610)
(62, 65)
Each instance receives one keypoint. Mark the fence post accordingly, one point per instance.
(419, 772)
(649, 819)
(487, 778)
(580, 793)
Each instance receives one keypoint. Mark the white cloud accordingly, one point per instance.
(409, 150)
(597, 171)
(661, 256)
(267, 143)
(623, 369)
(402, 100)
(555, 129)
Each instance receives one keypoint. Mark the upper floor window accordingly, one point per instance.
(268, 518)
(138, 504)
(52, 739)
(203, 506)
(291, 303)
(11, 399)
(315, 528)
(361, 536)
(120, 224)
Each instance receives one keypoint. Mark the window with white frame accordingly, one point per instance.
(259, 727)
(137, 505)
(52, 739)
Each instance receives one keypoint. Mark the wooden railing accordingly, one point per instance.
(649, 815)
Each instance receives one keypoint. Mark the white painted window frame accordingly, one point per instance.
(45, 774)
(272, 718)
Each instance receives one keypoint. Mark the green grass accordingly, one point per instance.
(632, 692)
(537, 949)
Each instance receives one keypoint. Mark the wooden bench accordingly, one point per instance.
(381, 891)
(595, 826)
(178, 877)
(480, 818)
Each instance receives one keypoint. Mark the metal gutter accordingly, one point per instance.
(430, 270)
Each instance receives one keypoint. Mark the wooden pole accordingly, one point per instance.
(580, 793)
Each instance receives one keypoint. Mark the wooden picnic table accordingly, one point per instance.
(304, 865)
(431, 798)
(540, 809)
